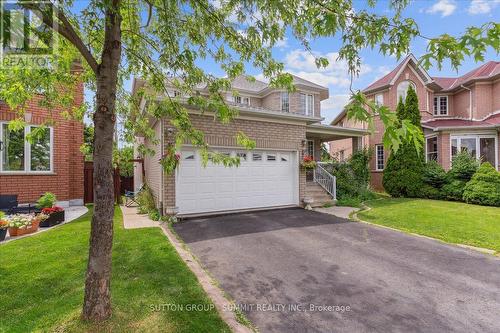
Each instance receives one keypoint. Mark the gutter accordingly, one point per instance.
(470, 100)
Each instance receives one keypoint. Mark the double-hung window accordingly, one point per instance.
(379, 157)
(285, 101)
(17, 154)
(441, 105)
(307, 104)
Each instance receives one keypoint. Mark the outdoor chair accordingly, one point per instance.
(131, 197)
(10, 205)
(7, 202)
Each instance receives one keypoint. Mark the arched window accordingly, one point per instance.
(403, 89)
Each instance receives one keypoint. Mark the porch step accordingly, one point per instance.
(318, 194)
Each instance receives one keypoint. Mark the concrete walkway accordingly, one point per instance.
(132, 220)
(70, 214)
(338, 211)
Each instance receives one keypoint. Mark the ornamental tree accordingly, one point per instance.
(163, 42)
(403, 176)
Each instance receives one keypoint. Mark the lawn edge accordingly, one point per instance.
(365, 208)
(209, 284)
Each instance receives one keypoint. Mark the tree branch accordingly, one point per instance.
(66, 30)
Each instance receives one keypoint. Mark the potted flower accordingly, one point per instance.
(4, 224)
(47, 200)
(308, 163)
(22, 224)
(55, 216)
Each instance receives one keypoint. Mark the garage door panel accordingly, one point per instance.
(262, 180)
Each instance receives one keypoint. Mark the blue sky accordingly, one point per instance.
(434, 17)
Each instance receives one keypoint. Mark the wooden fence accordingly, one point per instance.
(88, 183)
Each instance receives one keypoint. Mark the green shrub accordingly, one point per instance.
(454, 189)
(359, 163)
(484, 187)
(47, 200)
(463, 166)
(434, 175)
(146, 200)
(430, 192)
(154, 215)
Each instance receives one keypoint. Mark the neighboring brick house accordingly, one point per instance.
(460, 113)
(52, 164)
(285, 126)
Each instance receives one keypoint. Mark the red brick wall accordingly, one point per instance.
(67, 180)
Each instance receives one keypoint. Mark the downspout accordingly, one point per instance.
(162, 143)
(470, 100)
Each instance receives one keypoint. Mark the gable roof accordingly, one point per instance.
(390, 78)
(485, 71)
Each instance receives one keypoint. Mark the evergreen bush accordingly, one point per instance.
(484, 187)
(403, 173)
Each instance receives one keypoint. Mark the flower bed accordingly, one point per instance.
(3, 227)
(55, 216)
(22, 224)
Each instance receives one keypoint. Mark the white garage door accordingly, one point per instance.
(263, 179)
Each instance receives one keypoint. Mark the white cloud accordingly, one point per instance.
(332, 106)
(303, 64)
(444, 7)
(282, 43)
(482, 6)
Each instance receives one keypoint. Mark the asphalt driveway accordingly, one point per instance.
(293, 270)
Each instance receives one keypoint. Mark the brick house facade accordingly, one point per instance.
(282, 136)
(62, 170)
(461, 113)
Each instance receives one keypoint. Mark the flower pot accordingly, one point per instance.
(3, 233)
(13, 232)
(53, 219)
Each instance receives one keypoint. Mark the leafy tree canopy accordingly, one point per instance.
(163, 41)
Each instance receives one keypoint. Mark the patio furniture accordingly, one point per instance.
(9, 205)
(131, 197)
(7, 202)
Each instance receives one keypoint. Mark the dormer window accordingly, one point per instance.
(307, 104)
(441, 105)
(403, 89)
(285, 101)
(242, 100)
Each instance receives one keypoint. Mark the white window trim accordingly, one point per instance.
(313, 150)
(376, 157)
(437, 112)
(406, 93)
(281, 101)
(376, 102)
(27, 153)
(426, 151)
(477, 137)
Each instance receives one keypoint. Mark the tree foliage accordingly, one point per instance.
(165, 43)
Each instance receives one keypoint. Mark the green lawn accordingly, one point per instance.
(42, 278)
(452, 222)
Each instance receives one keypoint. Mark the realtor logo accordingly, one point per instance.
(27, 41)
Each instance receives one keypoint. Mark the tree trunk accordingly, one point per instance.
(97, 301)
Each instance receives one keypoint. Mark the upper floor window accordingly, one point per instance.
(403, 87)
(285, 101)
(379, 99)
(242, 100)
(441, 105)
(19, 155)
(307, 104)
